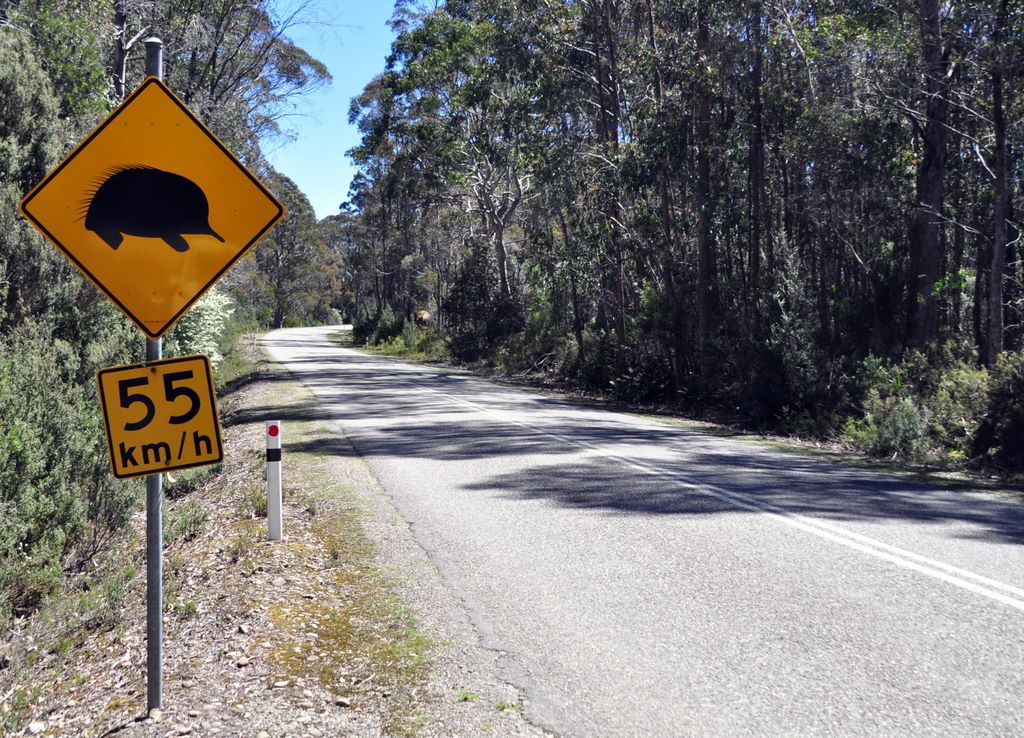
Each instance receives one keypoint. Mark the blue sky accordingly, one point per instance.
(352, 38)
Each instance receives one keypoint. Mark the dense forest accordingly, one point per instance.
(801, 215)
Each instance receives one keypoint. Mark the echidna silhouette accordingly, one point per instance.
(151, 203)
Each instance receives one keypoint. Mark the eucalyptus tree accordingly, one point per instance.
(231, 61)
(729, 202)
(461, 76)
(287, 257)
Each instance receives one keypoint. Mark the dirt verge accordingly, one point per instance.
(344, 628)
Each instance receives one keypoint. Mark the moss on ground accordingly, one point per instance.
(355, 636)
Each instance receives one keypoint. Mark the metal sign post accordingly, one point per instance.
(154, 210)
(154, 567)
(154, 503)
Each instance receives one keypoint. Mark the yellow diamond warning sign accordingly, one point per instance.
(160, 416)
(152, 208)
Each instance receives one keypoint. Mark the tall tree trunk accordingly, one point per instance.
(501, 254)
(577, 317)
(977, 313)
(120, 48)
(957, 267)
(925, 236)
(678, 341)
(611, 13)
(1013, 289)
(755, 157)
(702, 198)
(608, 133)
(1001, 208)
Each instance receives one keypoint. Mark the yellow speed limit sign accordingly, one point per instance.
(160, 416)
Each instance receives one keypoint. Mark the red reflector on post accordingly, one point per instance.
(272, 431)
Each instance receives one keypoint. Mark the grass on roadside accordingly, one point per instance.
(185, 523)
(241, 355)
(364, 646)
(414, 344)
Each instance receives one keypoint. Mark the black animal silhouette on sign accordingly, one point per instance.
(151, 203)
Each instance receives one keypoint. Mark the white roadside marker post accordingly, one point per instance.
(274, 513)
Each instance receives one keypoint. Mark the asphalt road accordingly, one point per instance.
(644, 580)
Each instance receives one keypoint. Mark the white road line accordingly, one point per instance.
(962, 578)
(958, 577)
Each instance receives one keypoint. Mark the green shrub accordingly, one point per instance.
(396, 336)
(395, 346)
(410, 335)
(902, 427)
(892, 426)
(1000, 438)
(57, 497)
(861, 433)
(647, 377)
(377, 329)
(29, 146)
(185, 523)
(593, 362)
(957, 408)
(482, 318)
(926, 404)
(254, 502)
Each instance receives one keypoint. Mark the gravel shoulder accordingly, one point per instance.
(344, 628)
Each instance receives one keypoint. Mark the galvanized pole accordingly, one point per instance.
(154, 504)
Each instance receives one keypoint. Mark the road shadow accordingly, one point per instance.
(693, 475)
(702, 484)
